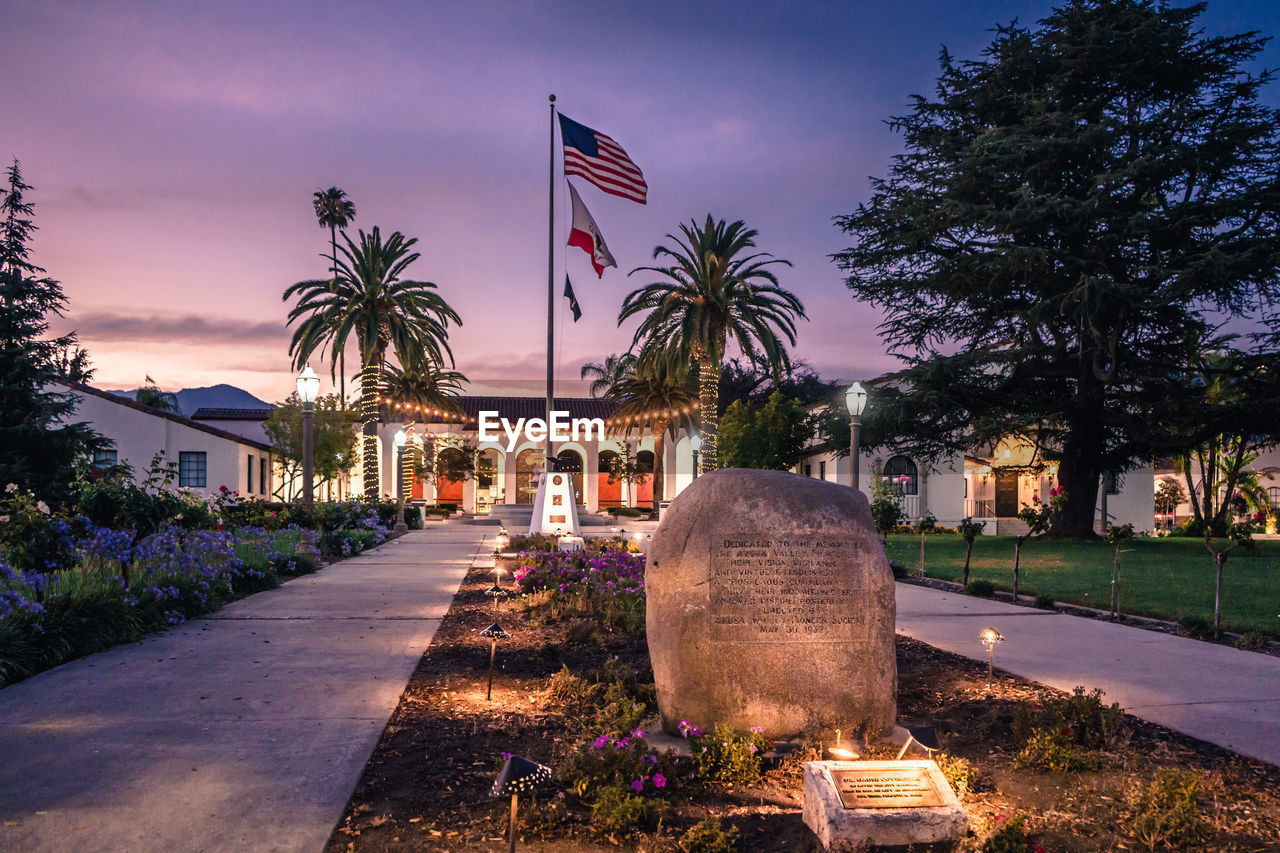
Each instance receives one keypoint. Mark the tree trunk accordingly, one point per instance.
(1221, 559)
(659, 439)
(1115, 587)
(369, 429)
(709, 404)
(1079, 474)
(342, 355)
(968, 552)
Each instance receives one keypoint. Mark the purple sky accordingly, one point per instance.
(174, 149)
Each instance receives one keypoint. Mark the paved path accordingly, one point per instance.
(1215, 693)
(244, 730)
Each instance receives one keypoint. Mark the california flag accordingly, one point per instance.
(586, 236)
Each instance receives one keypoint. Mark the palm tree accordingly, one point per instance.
(423, 387)
(658, 395)
(604, 375)
(151, 395)
(333, 211)
(711, 292)
(369, 299)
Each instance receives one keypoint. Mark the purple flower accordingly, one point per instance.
(506, 756)
(659, 781)
(638, 785)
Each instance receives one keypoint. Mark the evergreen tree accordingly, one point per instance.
(772, 435)
(38, 448)
(1070, 212)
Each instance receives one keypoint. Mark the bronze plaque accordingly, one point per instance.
(887, 788)
(802, 587)
(557, 500)
(557, 519)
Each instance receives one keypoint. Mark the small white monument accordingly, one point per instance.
(555, 508)
(851, 805)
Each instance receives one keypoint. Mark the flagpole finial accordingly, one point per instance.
(552, 98)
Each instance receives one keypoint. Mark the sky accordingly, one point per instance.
(174, 148)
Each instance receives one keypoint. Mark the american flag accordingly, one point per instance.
(601, 161)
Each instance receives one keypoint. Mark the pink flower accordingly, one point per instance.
(1035, 499)
(223, 489)
(659, 781)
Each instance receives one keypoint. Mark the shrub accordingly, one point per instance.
(1166, 811)
(1253, 641)
(624, 762)
(1010, 836)
(1052, 749)
(1080, 717)
(348, 543)
(1196, 627)
(1045, 602)
(725, 757)
(625, 511)
(982, 589)
(618, 812)
(707, 836)
(959, 772)
(899, 570)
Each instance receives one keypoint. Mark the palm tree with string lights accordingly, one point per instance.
(657, 395)
(369, 300)
(711, 291)
(333, 211)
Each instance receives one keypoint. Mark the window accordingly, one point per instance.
(264, 484)
(808, 469)
(822, 470)
(1113, 482)
(249, 480)
(192, 470)
(104, 458)
(1273, 493)
(902, 476)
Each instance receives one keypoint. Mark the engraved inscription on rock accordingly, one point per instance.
(785, 589)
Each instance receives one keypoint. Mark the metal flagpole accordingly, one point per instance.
(551, 296)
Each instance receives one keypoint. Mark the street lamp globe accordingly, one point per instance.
(400, 437)
(855, 399)
(695, 443)
(308, 385)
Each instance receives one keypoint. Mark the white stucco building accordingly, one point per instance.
(207, 457)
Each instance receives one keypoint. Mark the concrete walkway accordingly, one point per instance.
(1211, 692)
(244, 730)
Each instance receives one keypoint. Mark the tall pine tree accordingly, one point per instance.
(38, 447)
(1071, 215)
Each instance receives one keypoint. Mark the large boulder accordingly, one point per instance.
(771, 604)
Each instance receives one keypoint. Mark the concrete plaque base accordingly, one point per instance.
(853, 805)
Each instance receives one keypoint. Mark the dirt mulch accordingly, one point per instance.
(426, 786)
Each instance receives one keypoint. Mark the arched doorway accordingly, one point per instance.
(449, 491)
(490, 482)
(608, 494)
(644, 487)
(529, 464)
(569, 462)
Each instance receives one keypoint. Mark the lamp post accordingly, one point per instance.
(400, 527)
(695, 443)
(308, 388)
(855, 399)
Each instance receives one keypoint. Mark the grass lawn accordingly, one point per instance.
(1165, 578)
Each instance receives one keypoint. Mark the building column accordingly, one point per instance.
(509, 477)
(591, 477)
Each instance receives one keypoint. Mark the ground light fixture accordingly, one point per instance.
(841, 752)
(519, 775)
(497, 593)
(924, 736)
(493, 633)
(990, 637)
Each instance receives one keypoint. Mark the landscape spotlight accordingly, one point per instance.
(495, 633)
(841, 752)
(989, 638)
(925, 736)
(518, 775)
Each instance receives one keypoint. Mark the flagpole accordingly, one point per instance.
(551, 265)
